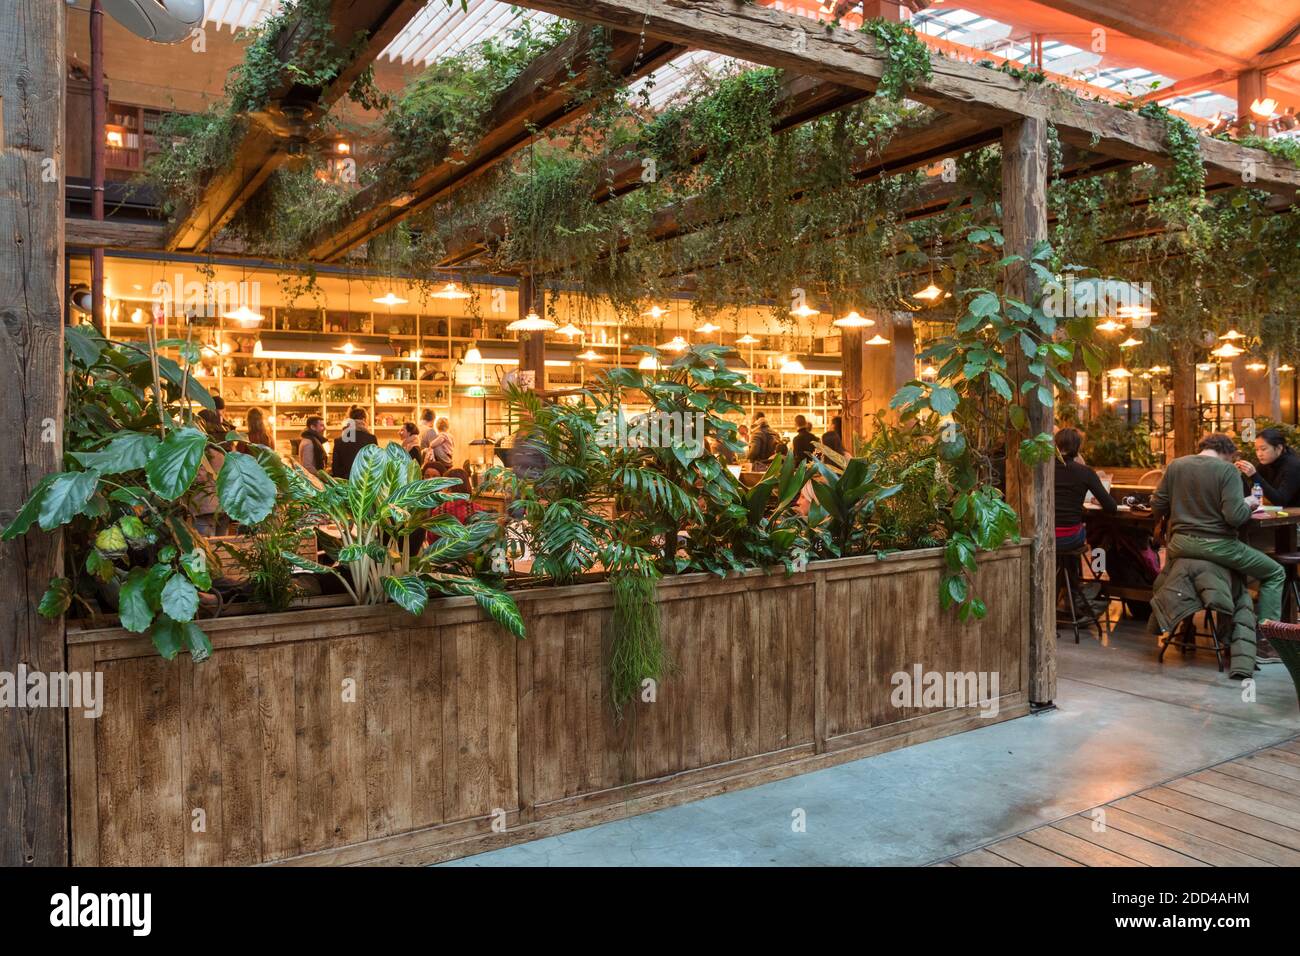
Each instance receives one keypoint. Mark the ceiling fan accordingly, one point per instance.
(162, 21)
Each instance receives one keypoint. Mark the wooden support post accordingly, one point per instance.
(1274, 387)
(33, 763)
(1031, 490)
(852, 386)
(1183, 397)
(1252, 85)
(532, 345)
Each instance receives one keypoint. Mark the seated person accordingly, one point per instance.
(1278, 472)
(1074, 480)
(1201, 495)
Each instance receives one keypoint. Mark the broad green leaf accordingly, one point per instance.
(193, 388)
(195, 566)
(168, 637)
(174, 464)
(85, 343)
(66, 497)
(111, 541)
(132, 606)
(27, 515)
(57, 598)
(127, 452)
(99, 566)
(245, 491)
(180, 600)
(409, 593)
(944, 400)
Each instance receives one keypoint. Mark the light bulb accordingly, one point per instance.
(929, 293)
(390, 300)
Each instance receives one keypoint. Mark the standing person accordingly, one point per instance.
(1278, 472)
(443, 447)
(834, 439)
(762, 441)
(1074, 480)
(311, 449)
(802, 446)
(1201, 494)
(353, 436)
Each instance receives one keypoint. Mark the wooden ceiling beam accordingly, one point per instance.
(262, 149)
(540, 98)
(768, 36)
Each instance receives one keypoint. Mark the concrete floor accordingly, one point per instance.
(1123, 723)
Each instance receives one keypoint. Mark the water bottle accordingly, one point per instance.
(1257, 490)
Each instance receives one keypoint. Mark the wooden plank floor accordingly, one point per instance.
(1245, 812)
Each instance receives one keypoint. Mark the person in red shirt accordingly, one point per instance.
(461, 510)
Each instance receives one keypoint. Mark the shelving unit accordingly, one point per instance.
(392, 390)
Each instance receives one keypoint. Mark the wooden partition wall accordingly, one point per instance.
(354, 735)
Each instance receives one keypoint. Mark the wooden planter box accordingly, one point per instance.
(356, 735)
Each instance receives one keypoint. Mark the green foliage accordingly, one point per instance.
(134, 456)
(846, 495)
(270, 573)
(382, 513)
(909, 57)
(1115, 443)
(637, 652)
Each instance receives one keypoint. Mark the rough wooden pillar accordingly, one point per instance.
(1030, 490)
(1274, 387)
(1251, 85)
(883, 9)
(33, 766)
(852, 385)
(887, 368)
(532, 345)
(1183, 398)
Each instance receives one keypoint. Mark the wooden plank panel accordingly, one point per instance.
(1211, 809)
(1168, 813)
(84, 797)
(1180, 841)
(388, 715)
(284, 768)
(1074, 848)
(348, 736)
(1235, 801)
(1144, 851)
(1249, 788)
(428, 739)
(241, 757)
(1274, 763)
(202, 731)
(1246, 771)
(310, 698)
(158, 745)
(1024, 853)
(118, 777)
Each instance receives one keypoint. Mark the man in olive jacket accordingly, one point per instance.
(1201, 494)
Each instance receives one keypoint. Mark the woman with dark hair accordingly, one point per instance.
(1278, 472)
(1074, 480)
(411, 442)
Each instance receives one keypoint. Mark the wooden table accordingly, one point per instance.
(1271, 532)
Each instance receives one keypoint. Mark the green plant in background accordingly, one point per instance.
(382, 512)
(667, 484)
(562, 529)
(974, 366)
(1118, 444)
(845, 497)
(134, 459)
(270, 573)
(908, 57)
(760, 529)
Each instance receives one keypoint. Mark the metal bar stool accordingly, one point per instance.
(1065, 583)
